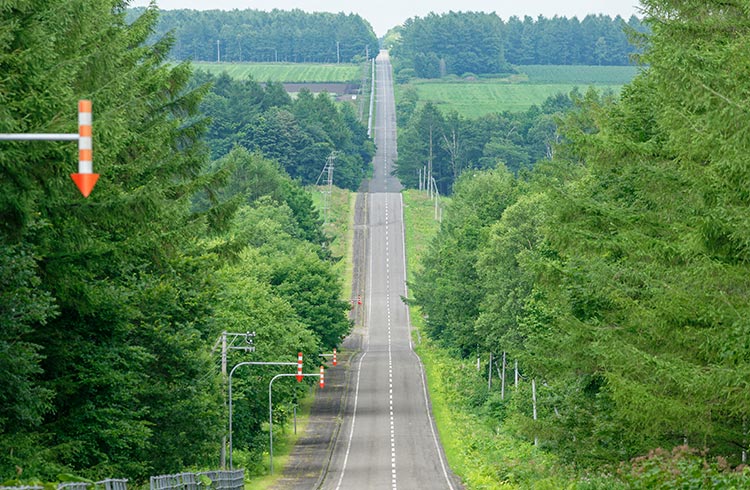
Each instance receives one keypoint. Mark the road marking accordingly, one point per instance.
(390, 356)
(354, 418)
(421, 366)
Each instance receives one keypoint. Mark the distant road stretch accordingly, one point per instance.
(387, 439)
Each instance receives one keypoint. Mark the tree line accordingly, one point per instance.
(461, 43)
(616, 272)
(277, 36)
(299, 133)
(446, 145)
(111, 306)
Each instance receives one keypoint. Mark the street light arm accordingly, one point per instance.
(246, 363)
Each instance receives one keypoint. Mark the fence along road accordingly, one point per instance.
(388, 439)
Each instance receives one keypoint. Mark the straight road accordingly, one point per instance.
(387, 439)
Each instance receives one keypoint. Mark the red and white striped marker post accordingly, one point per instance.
(322, 377)
(334, 356)
(85, 179)
(299, 367)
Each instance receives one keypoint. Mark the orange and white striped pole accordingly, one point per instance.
(322, 377)
(85, 179)
(334, 356)
(299, 367)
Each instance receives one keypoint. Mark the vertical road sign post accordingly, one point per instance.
(85, 179)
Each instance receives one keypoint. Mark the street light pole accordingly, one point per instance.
(270, 412)
(247, 363)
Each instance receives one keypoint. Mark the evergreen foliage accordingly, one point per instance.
(453, 144)
(110, 305)
(254, 35)
(299, 133)
(474, 43)
(617, 273)
(452, 43)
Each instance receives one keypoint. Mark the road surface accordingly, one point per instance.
(387, 439)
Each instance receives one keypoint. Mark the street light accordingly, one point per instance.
(247, 363)
(270, 411)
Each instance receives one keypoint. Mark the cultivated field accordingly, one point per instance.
(287, 72)
(477, 97)
(586, 75)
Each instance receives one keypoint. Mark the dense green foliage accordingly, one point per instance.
(452, 43)
(595, 40)
(110, 305)
(473, 43)
(254, 35)
(299, 133)
(616, 273)
(453, 144)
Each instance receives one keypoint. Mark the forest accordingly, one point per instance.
(475, 43)
(254, 35)
(615, 271)
(446, 145)
(110, 304)
(299, 134)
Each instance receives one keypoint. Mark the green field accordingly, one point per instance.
(288, 72)
(583, 75)
(516, 93)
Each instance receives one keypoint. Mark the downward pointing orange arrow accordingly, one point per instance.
(85, 182)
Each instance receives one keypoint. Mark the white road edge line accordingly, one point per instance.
(421, 366)
(354, 418)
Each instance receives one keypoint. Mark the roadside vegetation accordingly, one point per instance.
(614, 271)
(112, 306)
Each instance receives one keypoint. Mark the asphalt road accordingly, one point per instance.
(387, 439)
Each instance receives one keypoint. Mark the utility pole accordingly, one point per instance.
(225, 347)
(502, 384)
(338, 53)
(327, 193)
(533, 404)
(489, 374)
(218, 51)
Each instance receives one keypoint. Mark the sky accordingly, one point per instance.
(385, 14)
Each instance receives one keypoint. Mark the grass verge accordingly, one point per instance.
(337, 208)
(284, 440)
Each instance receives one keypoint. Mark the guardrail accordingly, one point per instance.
(219, 480)
(110, 484)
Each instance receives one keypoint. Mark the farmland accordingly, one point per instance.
(287, 72)
(477, 97)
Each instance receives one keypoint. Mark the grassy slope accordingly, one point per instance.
(287, 72)
(474, 98)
